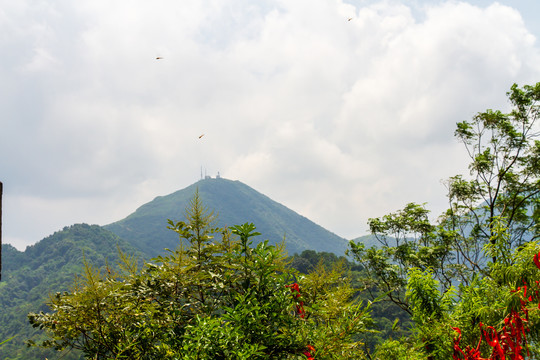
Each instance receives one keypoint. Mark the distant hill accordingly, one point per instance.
(50, 265)
(47, 267)
(235, 203)
(368, 241)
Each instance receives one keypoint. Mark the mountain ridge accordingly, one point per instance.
(47, 267)
(50, 265)
(234, 203)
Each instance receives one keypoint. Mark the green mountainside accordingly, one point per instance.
(368, 241)
(51, 265)
(45, 268)
(235, 203)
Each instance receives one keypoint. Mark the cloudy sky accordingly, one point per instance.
(341, 110)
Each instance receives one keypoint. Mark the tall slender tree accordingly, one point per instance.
(466, 245)
(505, 177)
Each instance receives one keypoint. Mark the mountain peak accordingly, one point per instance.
(234, 203)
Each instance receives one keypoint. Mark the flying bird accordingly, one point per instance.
(349, 19)
(201, 136)
(159, 58)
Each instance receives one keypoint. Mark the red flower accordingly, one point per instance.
(536, 260)
(301, 312)
(300, 305)
(308, 352)
(511, 340)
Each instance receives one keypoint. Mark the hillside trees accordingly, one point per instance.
(49, 265)
(493, 215)
(216, 297)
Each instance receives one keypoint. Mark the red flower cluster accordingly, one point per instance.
(308, 352)
(468, 353)
(300, 305)
(302, 313)
(511, 340)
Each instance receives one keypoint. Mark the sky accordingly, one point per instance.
(342, 110)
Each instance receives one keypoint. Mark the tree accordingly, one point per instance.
(214, 297)
(465, 244)
(408, 240)
(494, 317)
(505, 177)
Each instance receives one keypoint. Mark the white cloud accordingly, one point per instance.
(339, 120)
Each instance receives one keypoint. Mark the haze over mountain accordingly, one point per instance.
(234, 203)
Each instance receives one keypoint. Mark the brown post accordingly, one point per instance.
(1, 190)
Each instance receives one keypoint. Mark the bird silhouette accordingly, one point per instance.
(159, 58)
(201, 136)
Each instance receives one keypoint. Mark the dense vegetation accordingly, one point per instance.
(471, 268)
(219, 297)
(466, 286)
(48, 266)
(388, 319)
(100, 247)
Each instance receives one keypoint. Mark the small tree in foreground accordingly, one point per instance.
(214, 297)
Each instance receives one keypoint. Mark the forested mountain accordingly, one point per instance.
(222, 293)
(367, 240)
(51, 265)
(234, 203)
(46, 268)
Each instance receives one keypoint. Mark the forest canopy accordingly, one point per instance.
(218, 297)
(468, 283)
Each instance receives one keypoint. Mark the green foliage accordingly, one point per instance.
(486, 301)
(388, 319)
(430, 313)
(217, 296)
(464, 268)
(5, 341)
(408, 240)
(505, 177)
(395, 349)
(309, 260)
(334, 316)
(47, 266)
